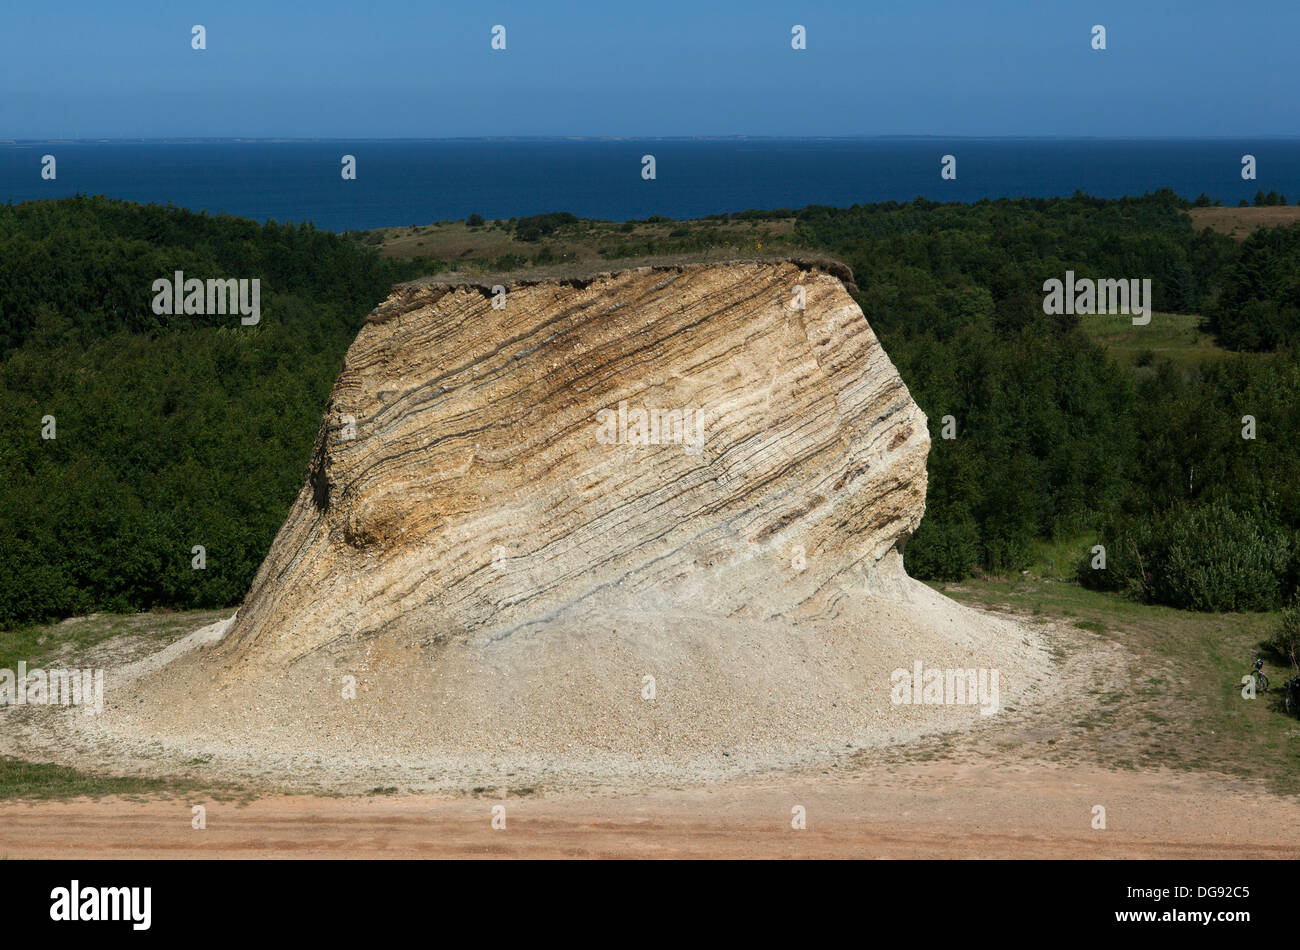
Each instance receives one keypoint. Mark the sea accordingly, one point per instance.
(405, 182)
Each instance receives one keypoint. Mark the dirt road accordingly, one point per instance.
(921, 810)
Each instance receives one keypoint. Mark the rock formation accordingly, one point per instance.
(641, 522)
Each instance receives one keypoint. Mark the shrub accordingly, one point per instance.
(1208, 558)
(509, 262)
(538, 226)
(943, 550)
(1286, 640)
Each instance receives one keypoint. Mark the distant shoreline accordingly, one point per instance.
(239, 140)
(416, 181)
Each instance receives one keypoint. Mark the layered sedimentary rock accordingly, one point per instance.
(633, 519)
(679, 434)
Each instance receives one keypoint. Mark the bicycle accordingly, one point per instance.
(1261, 679)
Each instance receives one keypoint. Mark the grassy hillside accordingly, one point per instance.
(1184, 707)
(1177, 337)
(1240, 223)
(467, 247)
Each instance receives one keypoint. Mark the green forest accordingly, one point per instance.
(176, 431)
(1057, 438)
(171, 431)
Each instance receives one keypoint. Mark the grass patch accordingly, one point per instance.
(1172, 336)
(1059, 559)
(471, 251)
(65, 644)
(1183, 708)
(1240, 223)
(42, 643)
(22, 780)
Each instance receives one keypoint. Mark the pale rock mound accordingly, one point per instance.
(521, 578)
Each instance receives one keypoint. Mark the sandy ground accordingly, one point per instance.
(736, 700)
(1024, 786)
(923, 810)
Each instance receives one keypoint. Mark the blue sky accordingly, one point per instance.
(652, 68)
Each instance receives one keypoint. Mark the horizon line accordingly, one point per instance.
(196, 139)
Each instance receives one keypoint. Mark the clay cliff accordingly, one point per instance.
(642, 522)
(479, 469)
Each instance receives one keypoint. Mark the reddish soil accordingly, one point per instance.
(936, 809)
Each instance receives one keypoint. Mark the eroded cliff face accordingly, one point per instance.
(647, 524)
(689, 438)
